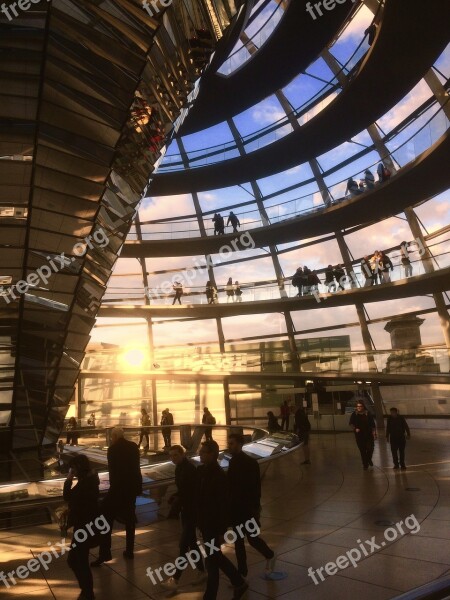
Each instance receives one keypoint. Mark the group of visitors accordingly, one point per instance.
(219, 223)
(233, 292)
(375, 268)
(364, 428)
(367, 182)
(301, 425)
(146, 422)
(207, 498)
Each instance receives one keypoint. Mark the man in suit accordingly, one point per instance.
(244, 486)
(125, 483)
(212, 520)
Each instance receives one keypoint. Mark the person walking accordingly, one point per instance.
(385, 266)
(364, 428)
(186, 499)
(233, 220)
(166, 420)
(83, 509)
(208, 419)
(302, 429)
(211, 292)
(229, 288)
(285, 413)
(178, 289)
(405, 260)
(237, 291)
(397, 432)
(212, 520)
(125, 483)
(145, 428)
(244, 486)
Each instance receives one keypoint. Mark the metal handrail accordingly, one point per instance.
(435, 590)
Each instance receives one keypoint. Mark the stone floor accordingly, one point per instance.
(311, 516)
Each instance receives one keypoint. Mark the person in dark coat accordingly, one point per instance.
(302, 429)
(213, 520)
(329, 279)
(272, 423)
(125, 483)
(186, 498)
(72, 435)
(397, 432)
(340, 276)
(285, 413)
(208, 419)
(244, 486)
(364, 427)
(167, 419)
(233, 220)
(83, 509)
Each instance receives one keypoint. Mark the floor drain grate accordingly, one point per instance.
(384, 523)
(412, 489)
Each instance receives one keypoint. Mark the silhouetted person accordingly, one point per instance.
(365, 433)
(371, 31)
(178, 289)
(366, 271)
(219, 224)
(298, 280)
(212, 519)
(313, 282)
(397, 432)
(167, 419)
(369, 179)
(211, 293)
(285, 413)
(329, 279)
(272, 422)
(385, 265)
(125, 483)
(208, 419)
(229, 288)
(302, 429)
(237, 291)
(72, 435)
(145, 425)
(244, 485)
(406, 262)
(352, 188)
(83, 509)
(186, 499)
(233, 221)
(340, 276)
(383, 172)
